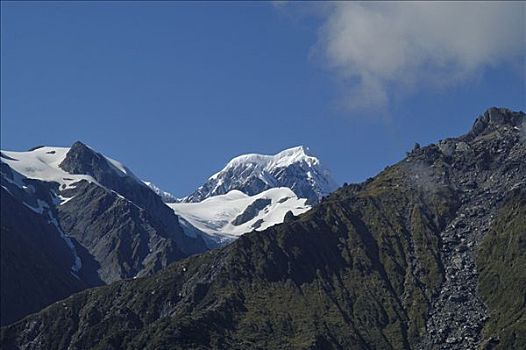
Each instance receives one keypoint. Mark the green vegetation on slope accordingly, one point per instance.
(358, 271)
(502, 264)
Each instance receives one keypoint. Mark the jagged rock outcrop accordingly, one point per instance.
(485, 166)
(251, 211)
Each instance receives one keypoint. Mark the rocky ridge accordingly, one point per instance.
(489, 163)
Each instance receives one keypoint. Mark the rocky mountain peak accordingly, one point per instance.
(495, 118)
(81, 159)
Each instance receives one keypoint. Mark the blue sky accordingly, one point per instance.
(174, 90)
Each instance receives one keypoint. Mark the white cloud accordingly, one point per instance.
(382, 50)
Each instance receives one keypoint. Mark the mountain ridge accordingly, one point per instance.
(114, 225)
(374, 265)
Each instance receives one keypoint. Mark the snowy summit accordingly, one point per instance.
(294, 168)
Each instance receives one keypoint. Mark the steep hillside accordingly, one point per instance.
(35, 264)
(106, 225)
(502, 260)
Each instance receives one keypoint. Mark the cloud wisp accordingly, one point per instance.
(382, 50)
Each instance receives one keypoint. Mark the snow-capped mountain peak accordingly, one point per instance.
(66, 165)
(82, 159)
(295, 168)
(43, 163)
(281, 159)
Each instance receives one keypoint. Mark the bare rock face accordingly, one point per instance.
(123, 223)
(81, 159)
(484, 166)
(251, 211)
(496, 118)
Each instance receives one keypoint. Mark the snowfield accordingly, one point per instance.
(216, 216)
(220, 217)
(43, 164)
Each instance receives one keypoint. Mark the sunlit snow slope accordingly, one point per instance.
(225, 217)
(43, 164)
